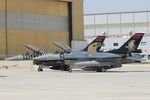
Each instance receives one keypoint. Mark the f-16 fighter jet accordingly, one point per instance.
(94, 46)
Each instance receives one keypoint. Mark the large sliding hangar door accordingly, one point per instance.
(37, 22)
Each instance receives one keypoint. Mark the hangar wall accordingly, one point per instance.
(38, 22)
(118, 23)
(2, 28)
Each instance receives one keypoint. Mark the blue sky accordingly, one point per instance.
(99, 6)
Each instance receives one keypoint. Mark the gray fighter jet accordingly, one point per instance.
(94, 46)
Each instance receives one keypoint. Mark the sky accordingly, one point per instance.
(100, 6)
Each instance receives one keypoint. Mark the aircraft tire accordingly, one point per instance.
(103, 69)
(70, 70)
(40, 70)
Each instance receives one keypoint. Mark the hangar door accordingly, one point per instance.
(37, 22)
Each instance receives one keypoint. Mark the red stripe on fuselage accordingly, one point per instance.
(100, 37)
(138, 35)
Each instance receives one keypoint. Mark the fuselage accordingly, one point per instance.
(81, 59)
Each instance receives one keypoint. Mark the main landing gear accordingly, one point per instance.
(69, 70)
(102, 70)
(40, 69)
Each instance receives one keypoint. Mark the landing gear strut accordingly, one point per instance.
(103, 69)
(40, 69)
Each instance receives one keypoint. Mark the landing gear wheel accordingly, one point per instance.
(103, 69)
(69, 70)
(40, 70)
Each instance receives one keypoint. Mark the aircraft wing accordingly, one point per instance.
(91, 63)
(87, 63)
(63, 46)
(135, 59)
(32, 48)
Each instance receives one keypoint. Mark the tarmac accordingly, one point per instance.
(22, 81)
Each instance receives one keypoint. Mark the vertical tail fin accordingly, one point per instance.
(131, 45)
(95, 45)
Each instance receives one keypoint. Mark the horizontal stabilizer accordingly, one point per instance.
(135, 59)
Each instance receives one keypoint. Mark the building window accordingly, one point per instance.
(115, 44)
(148, 57)
(143, 56)
(143, 43)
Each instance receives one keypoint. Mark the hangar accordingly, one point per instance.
(39, 22)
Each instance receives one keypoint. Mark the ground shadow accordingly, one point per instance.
(82, 71)
(126, 71)
(3, 76)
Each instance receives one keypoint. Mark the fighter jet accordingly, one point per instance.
(57, 65)
(94, 46)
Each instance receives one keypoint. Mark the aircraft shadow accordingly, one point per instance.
(126, 71)
(3, 76)
(82, 71)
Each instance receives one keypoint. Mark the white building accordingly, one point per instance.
(117, 26)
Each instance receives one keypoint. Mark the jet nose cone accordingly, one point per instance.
(20, 57)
